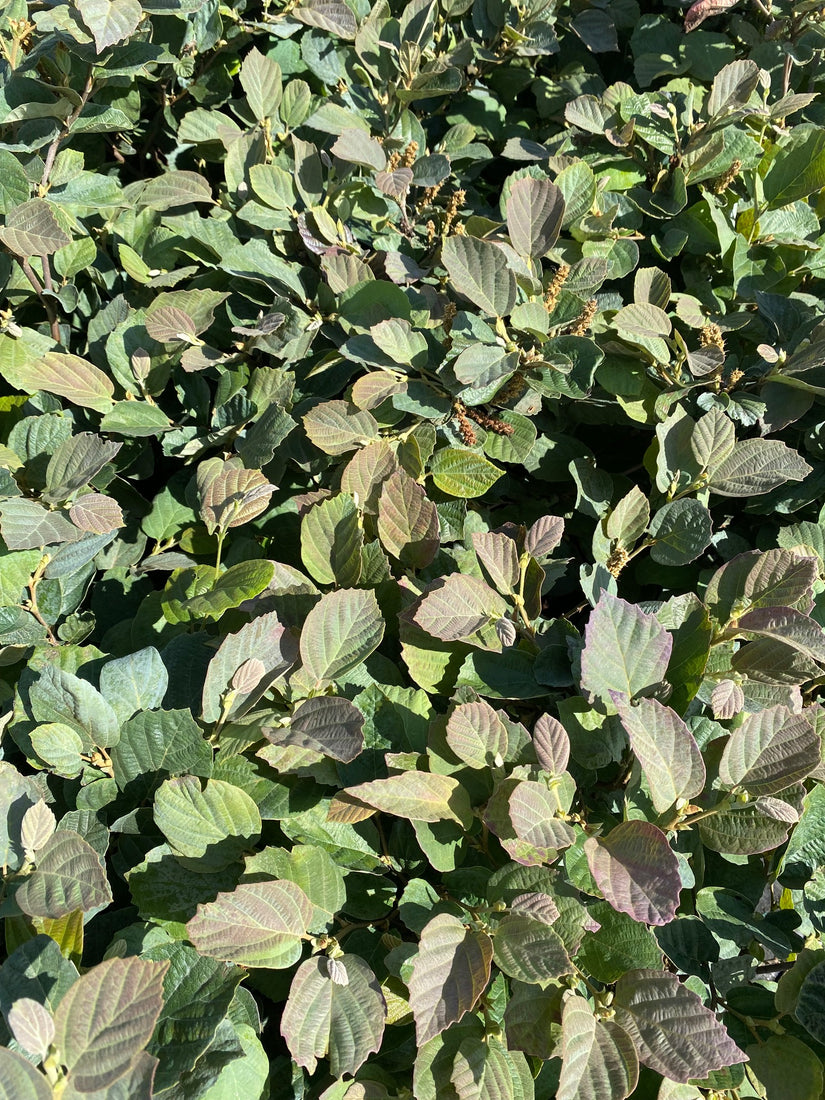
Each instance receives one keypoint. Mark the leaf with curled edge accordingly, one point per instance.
(756, 579)
(328, 15)
(335, 1010)
(417, 796)
(674, 1033)
(337, 427)
(544, 536)
(786, 625)
(105, 1020)
(666, 750)
(703, 9)
(260, 924)
(75, 463)
(449, 974)
(637, 871)
(31, 229)
(599, 1059)
(499, 557)
(535, 211)
(264, 638)
(230, 495)
(534, 811)
(772, 749)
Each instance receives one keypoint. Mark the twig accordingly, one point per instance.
(37, 286)
(71, 119)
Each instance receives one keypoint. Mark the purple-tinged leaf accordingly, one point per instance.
(637, 871)
(329, 15)
(364, 475)
(31, 229)
(544, 536)
(264, 639)
(537, 905)
(105, 1020)
(770, 750)
(231, 495)
(499, 557)
(449, 974)
(726, 700)
(674, 1033)
(28, 525)
(786, 625)
(774, 578)
(395, 183)
(598, 1056)
(69, 376)
(335, 1010)
(69, 875)
(97, 513)
(626, 651)
(456, 608)
(407, 521)
(703, 9)
(479, 271)
(528, 949)
(535, 211)
(327, 724)
(486, 1070)
(535, 814)
(256, 924)
(32, 1026)
(666, 750)
(477, 735)
(337, 427)
(171, 325)
(551, 744)
(756, 466)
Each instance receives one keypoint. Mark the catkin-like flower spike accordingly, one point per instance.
(581, 326)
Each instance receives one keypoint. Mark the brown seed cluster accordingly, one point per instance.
(512, 389)
(711, 337)
(410, 155)
(431, 193)
(491, 423)
(454, 204)
(450, 311)
(617, 561)
(465, 428)
(394, 161)
(724, 182)
(580, 327)
(736, 377)
(553, 291)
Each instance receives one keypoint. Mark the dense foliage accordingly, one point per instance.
(412, 560)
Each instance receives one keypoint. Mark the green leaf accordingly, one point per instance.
(59, 696)
(666, 750)
(261, 80)
(478, 270)
(332, 537)
(173, 189)
(19, 1080)
(461, 608)
(529, 950)
(136, 682)
(69, 875)
(672, 1030)
(75, 463)
(335, 1010)
(637, 871)
(618, 945)
(156, 745)
(463, 473)
(786, 1068)
(682, 531)
(71, 377)
(337, 427)
(264, 639)
(106, 1019)
(598, 1056)
(449, 975)
(309, 867)
(797, 171)
(197, 595)
(342, 630)
(757, 466)
(260, 924)
(14, 184)
(209, 826)
(326, 724)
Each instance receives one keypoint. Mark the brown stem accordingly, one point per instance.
(71, 118)
(37, 286)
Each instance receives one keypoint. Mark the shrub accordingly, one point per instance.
(412, 566)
